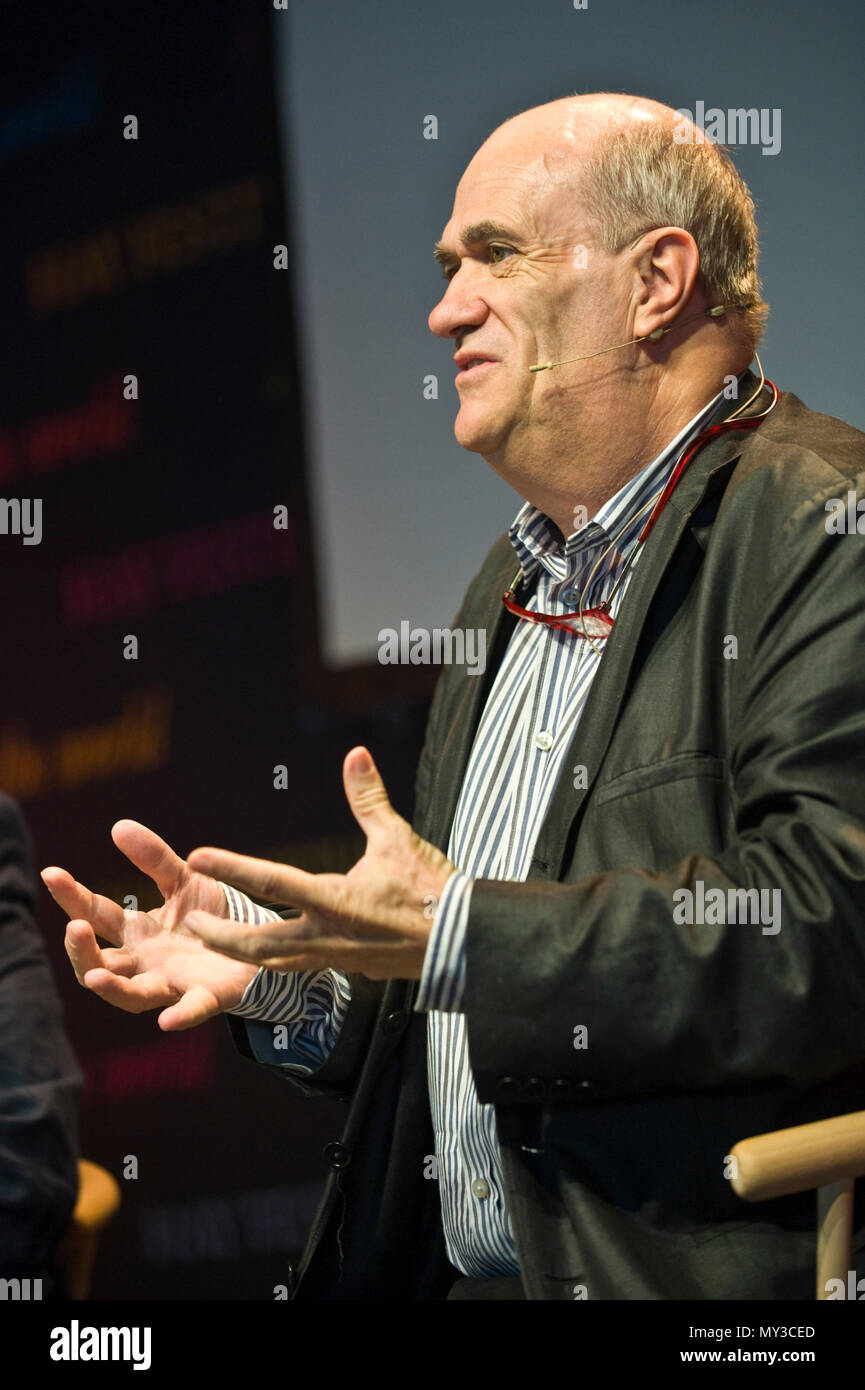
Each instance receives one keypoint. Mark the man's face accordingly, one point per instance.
(522, 289)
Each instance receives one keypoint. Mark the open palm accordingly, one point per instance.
(154, 961)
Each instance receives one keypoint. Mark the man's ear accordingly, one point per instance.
(666, 266)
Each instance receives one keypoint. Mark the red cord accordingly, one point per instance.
(713, 430)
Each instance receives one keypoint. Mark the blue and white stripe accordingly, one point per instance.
(309, 1005)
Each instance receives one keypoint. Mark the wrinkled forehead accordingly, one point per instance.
(520, 183)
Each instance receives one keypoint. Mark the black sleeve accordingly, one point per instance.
(39, 1076)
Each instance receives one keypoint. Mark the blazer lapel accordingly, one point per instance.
(709, 471)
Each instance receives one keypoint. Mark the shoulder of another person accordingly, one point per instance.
(11, 817)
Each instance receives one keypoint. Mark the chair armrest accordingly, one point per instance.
(98, 1200)
(798, 1159)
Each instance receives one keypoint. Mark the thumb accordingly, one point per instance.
(144, 848)
(366, 794)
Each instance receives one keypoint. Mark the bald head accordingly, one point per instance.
(563, 133)
(576, 116)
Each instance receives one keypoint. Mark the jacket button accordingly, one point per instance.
(394, 1023)
(509, 1087)
(336, 1154)
(534, 1088)
(561, 1089)
(481, 1188)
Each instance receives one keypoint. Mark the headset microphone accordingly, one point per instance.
(715, 312)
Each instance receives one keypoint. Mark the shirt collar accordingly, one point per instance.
(537, 540)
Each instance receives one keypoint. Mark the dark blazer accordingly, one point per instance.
(39, 1077)
(734, 763)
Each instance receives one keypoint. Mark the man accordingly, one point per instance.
(547, 1041)
(39, 1084)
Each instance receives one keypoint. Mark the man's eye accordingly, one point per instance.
(495, 254)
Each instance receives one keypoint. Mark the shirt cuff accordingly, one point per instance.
(442, 985)
(243, 909)
(296, 1020)
(292, 1019)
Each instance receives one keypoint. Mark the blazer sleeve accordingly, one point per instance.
(39, 1076)
(671, 1008)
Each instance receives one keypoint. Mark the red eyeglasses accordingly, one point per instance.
(590, 622)
(596, 623)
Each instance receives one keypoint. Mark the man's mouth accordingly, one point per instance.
(471, 366)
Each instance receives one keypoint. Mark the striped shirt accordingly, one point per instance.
(516, 760)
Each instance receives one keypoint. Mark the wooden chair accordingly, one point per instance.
(98, 1200)
(828, 1155)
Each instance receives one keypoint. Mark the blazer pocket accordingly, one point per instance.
(653, 815)
(638, 779)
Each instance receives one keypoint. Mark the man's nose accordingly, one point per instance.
(458, 310)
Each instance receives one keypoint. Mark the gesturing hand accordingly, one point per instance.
(375, 920)
(154, 961)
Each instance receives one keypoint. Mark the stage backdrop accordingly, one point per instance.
(159, 639)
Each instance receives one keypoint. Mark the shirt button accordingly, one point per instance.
(481, 1188)
(544, 739)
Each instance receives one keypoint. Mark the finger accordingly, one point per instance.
(290, 952)
(82, 949)
(349, 957)
(119, 962)
(145, 991)
(274, 883)
(242, 940)
(150, 854)
(85, 954)
(196, 1006)
(295, 965)
(366, 794)
(105, 916)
